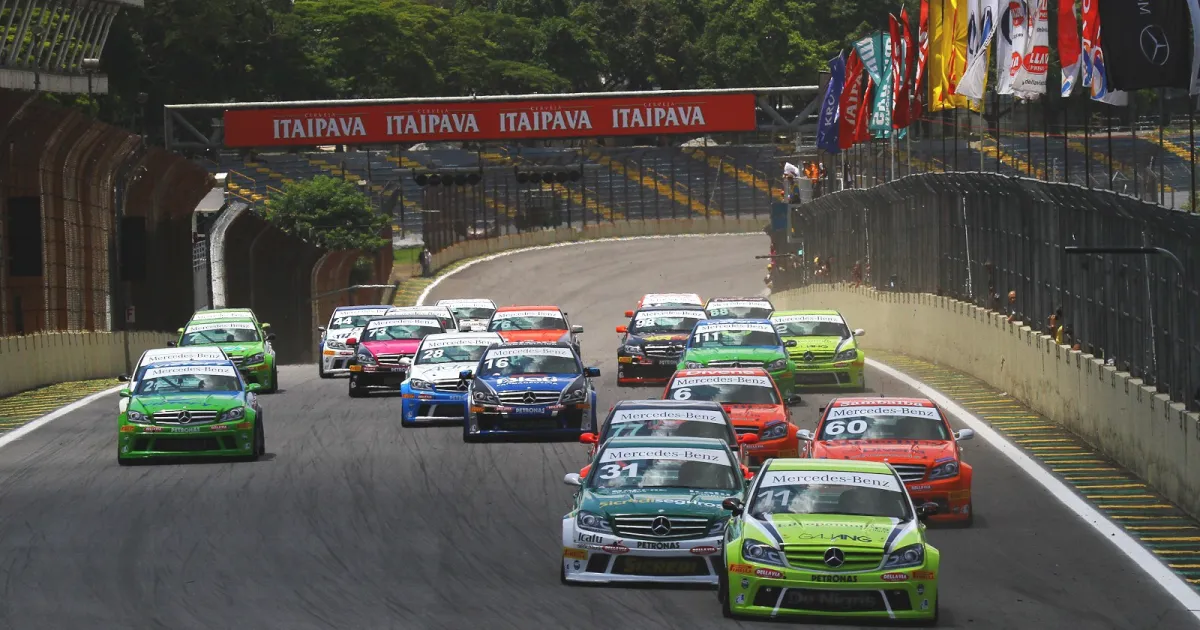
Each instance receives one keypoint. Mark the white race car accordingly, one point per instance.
(346, 322)
(473, 314)
(435, 389)
(443, 315)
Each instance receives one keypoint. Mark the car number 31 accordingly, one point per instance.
(612, 471)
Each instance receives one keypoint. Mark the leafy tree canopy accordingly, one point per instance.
(328, 212)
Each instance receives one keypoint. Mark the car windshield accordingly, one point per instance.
(828, 492)
(726, 393)
(188, 380)
(227, 332)
(740, 310)
(444, 352)
(472, 312)
(545, 360)
(353, 319)
(641, 423)
(526, 320)
(884, 423)
(620, 468)
(645, 323)
(396, 330)
(811, 329)
(732, 336)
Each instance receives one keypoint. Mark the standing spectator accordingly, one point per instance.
(1013, 313)
(426, 259)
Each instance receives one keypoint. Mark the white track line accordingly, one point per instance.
(436, 281)
(33, 425)
(1147, 561)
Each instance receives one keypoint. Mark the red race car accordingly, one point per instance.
(911, 434)
(751, 399)
(534, 323)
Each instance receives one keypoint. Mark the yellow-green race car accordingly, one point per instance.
(826, 351)
(829, 538)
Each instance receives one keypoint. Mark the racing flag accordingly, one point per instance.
(1068, 45)
(1095, 73)
(827, 129)
(902, 62)
(948, 27)
(881, 107)
(1194, 10)
(981, 16)
(1010, 42)
(850, 105)
(918, 104)
(1030, 80)
(1146, 44)
(861, 133)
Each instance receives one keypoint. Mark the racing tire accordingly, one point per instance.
(356, 392)
(124, 462)
(274, 380)
(562, 574)
(723, 590)
(321, 373)
(471, 438)
(260, 436)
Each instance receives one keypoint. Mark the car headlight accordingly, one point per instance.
(136, 417)
(237, 413)
(575, 395)
(762, 553)
(718, 528)
(364, 357)
(334, 344)
(776, 365)
(417, 383)
(846, 355)
(632, 349)
(255, 359)
(693, 364)
(774, 431)
(484, 395)
(910, 556)
(592, 522)
(942, 471)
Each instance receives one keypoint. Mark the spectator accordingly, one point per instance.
(858, 273)
(1013, 313)
(426, 259)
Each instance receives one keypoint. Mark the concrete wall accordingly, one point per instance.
(1118, 415)
(649, 227)
(30, 361)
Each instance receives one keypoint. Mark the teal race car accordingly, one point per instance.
(829, 538)
(192, 409)
(741, 343)
(244, 339)
(826, 353)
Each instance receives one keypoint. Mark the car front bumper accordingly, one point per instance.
(769, 591)
(643, 370)
(420, 405)
(600, 558)
(549, 420)
(760, 452)
(234, 439)
(952, 496)
(336, 361)
(259, 373)
(376, 376)
(831, 375)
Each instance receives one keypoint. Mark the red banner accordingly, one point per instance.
(490, 120)
(851, 108)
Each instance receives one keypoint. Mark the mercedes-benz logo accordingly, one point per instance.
(1155, 45)
(529, 398)
(661, 526)
(184, 417)
(834, 557)
(808, 356)
(462, 386)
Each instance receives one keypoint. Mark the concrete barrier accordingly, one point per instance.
(1118, 415)
(30, 361)
(648, 227)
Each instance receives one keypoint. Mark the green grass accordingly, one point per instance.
(406, 255)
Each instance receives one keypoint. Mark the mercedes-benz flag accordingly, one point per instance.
(981, 15)
(1146, 43)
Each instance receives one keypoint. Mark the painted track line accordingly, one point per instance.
(33, 425)
(1183, 592)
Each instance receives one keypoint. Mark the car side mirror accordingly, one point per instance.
(466, 374)
(253, 388)
(320, 329)
(592, 372)
(733, 505)
(622, 329)
(270, 336)
(170, 344)
(926, 510)
(179, 331)
(576, 329)
(747, 438)
(124, 393)
(265, 325)
(747, 474)
(790, 343)
(628, 313)
(572, 479)
(858, 332)
(588, 438)
(965, 434)
(804, 434)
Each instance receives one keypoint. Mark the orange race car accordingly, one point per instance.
(657, 300)
(753, 402)
(534, 323)
(911, 434)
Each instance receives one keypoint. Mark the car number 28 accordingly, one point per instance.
(838, 427)
(432, 354)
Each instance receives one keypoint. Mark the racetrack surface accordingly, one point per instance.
(353, 522)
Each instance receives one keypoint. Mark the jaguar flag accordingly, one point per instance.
(1068, 45)
(948, 27)
(827, 129)
(1030, 80)
(1010, 41)
(1146, 43)
(919, 98)
(850, 104)
(1095, 75)
(981, 23)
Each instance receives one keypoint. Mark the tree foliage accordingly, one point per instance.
(328, 212)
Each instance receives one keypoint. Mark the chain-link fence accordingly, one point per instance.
(1004, 243)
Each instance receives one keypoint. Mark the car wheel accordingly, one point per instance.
(723, 589)
(562, 573)
(355, 391)
(321, 373)
(260, 436)
(274, 380)
(121, 461)
(470, 438)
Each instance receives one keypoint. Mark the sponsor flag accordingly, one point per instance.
(827, 129)
(869, 51)
(902, 63)
(948, 27)
(860, 126)
(982, 22)
(1010, 41)
(919, 91)
(1146, 43)
(1068, 45)
(850, 108)
(1030, 80)
(880, 124)
(1194, 10)
(1094, 67)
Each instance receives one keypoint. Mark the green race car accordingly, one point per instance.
(190, 408)
(741, 343)
(829, 538)
(246, 341)
(826, 353)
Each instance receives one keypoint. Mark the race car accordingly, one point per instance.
(826, 353)
(753, 402)
(383, 353)
(538, 389)
(650, 510)
(471, 313)
(344, 323)
(739, 308)
(829, 538)
(911, 434)
(652, 343)
(659, 300)
(166, 355)
(243, 339)
(190, 408)
(534, 323)
(435, 389)
(441, 313)
(741, 343)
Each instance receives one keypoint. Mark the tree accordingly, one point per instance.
(328, 212)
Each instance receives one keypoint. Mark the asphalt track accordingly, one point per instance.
(353, 522)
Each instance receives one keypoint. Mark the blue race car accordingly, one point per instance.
(434, 389)
(530, 389)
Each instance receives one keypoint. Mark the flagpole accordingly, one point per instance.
(891, 103)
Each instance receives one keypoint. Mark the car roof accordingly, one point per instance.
(417, 309)
(724, 298)
(754, 371)
(674, 442)
(157, 352)
(195, 363)
(534, 344)
(818, 311)
(677, 307)
(882, 401)
(529, 308)
(360, 307)
(463, 335)
(454, 301)
(831, 465)
(668, 404)
(727, 322)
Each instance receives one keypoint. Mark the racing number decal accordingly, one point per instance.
(343, 321)
(837, 427)
(434, 354)
(499, 363)
(718, 311)
(701, 337)
(683, 393)
(612, 471)
(769, 496)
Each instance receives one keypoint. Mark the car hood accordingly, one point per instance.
(756, 415)
(439, 371)
(679, 502)
(392, 346)
(193, 402)
(820, 344)
(659, 337)
(923, 451)
(239, 348)
(530, 382)
(342, 334)
(532, 335)
(861, 532)
(745, 353)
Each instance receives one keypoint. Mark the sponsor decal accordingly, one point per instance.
(894, 577)
(657, 545)
(466, 303)
(886, 402)
(185, 429)
(726, 379)
(329, 353)
(358, 312)
(745, 584)
(920, 589)
(193, 370)
(834, 537)
(219, 427)
(920, 488)
(533, 351)
(722, 325)
(942, 460)
(588, 538)
(711, 456)
(788, 319)
(424, 311)
(808, 478)
(624, 359)
(741, 568)
(163, 356)
(150, 429)
(924, 575)
(834, 578)
(685, 415)
(852, 412)
(576, 565)
(402, 321)
(461, 341)
(740, 304)
(526, 380)
(574, 554)
(741, 598)
(616, 548)
(498, 315)
(230, 314)
(220, 326)
(651, 299)
(704, 550)
(924, 604)
(650, 316)
(769, 573)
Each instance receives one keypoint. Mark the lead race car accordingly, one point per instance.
(652, 343)
(346, 322)
(239, 334)
(472, 314)
(435, 389)
(650, 510)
